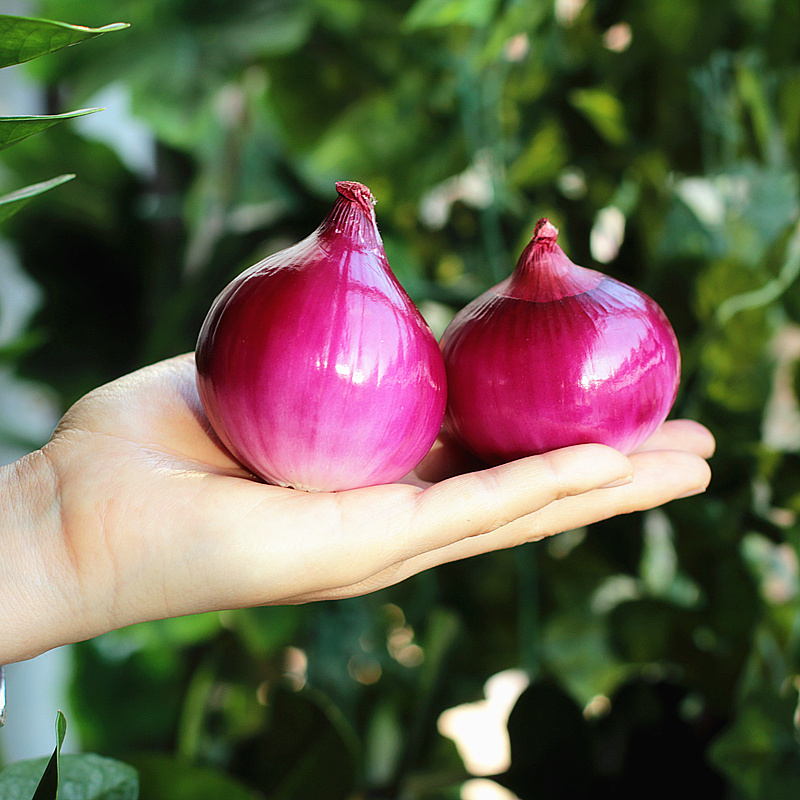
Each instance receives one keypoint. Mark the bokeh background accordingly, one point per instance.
(663, 140)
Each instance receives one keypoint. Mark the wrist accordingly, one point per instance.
(31, 584)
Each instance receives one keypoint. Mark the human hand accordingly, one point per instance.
(134, 511)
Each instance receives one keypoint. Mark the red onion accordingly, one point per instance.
(557, 355)
(314, 366)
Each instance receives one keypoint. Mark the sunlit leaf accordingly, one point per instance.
(544, 157)
(604, 111)
(13, 202)
(437, 13)
(25, 38)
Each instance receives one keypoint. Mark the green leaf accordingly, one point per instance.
(48, 785)
(604, 111)
(13, 202)
(85, 776)
(73, 777)
(25, 38)
(440, 13)
(544, 157)
(15, 129)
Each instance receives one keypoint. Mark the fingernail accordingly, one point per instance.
(691, 493)
(620, 482)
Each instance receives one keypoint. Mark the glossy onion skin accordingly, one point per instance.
(314, 366)
(557, 355)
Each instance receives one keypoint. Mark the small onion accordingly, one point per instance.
(314, 366)
(557, 355)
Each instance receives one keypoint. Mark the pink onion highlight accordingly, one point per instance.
(557, 355)
(314, 366)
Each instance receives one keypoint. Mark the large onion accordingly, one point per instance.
(557, 355)
(315, 368)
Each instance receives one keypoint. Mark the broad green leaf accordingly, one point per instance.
(25, 38)
(440, 13)
(15, 129)
(72, 777)
(85, 776)
(13, 202)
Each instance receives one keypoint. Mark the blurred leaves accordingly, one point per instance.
(604, 110)
(759, 752)
(162, 776)
(651, 639)
(305, 750)
(441, 13)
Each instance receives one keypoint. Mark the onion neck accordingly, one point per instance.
(544, 273)
(352, 217)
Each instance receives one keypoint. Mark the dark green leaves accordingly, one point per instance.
(174, 778)
(305, 751)
(646, 727)
(23, 38)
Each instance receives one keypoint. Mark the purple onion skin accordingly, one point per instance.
(557, 355)
(314, 366)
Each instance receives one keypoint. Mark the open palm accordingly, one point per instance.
(155, 519)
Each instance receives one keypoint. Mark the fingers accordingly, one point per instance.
(479, 502)
(659, 477)
(351, 537)
(447, 458)
(682, 434)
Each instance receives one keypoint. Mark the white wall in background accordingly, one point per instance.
(35, 691)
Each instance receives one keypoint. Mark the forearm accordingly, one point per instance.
(33, 616)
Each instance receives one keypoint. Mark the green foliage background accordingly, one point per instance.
(468, 119)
